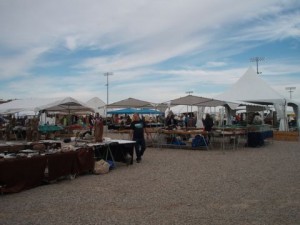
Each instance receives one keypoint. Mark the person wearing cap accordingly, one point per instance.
(138, 127)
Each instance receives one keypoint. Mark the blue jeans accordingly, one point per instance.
(140, 147)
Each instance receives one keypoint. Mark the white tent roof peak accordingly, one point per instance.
(66, 105)
(251, 88)
(24, 105)
(97, 104)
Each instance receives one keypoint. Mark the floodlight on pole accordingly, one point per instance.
(291, 90)
(107, 74)
(188, 92)
(257, 59)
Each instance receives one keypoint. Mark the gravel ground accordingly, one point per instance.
(258, 186)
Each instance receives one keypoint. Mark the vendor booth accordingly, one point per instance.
(252, 88)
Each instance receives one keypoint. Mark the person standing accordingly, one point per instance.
(138, 127)
(171, 122)
(98, 128)
(91, 123)
(208, 123)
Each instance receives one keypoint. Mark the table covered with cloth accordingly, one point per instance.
(45, 129)
(257, 138)
(19, 174)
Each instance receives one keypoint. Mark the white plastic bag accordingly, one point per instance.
(101, 167)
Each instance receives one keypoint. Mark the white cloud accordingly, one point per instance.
(136, 36)
(18, 65)
(272, 28)
(215, 64)
(71, 42)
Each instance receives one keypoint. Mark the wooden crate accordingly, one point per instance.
(286, 135)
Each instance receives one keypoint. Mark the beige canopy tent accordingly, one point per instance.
(136, 103)
(196, 101)
(131, 103)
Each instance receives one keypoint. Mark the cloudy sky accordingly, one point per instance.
(156, 50)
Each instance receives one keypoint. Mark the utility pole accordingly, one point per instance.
(290, 89)
(257, 59)
(107, 74)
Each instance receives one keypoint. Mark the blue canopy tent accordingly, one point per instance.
(122, 111)
(149, 111)
(132, 111)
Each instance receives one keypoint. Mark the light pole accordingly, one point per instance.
(257, 59)
(188, 92)
(290, 89)
(107, 74)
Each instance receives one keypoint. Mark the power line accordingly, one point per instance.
(257, 59)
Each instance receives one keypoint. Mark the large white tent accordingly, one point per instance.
(97, 104)
(252, 88)
(66, 105)
(202, 102)
(34, 106)
(24, 105)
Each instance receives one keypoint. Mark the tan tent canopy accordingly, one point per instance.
(131, 103)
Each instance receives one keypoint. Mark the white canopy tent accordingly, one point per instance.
(66, 105)
(97, 104)
(24, 105)
(295, 104)
(202, 102)
(35, 106)
(252, 88)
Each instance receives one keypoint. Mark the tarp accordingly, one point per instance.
(66, 105)
(133, 110)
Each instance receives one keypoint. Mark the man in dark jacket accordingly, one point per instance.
(138, 127)
(208, 122)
